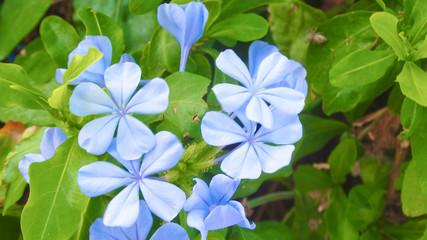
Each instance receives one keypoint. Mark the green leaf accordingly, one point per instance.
(365, 205)
(290, 23)
(80, 63)
(239, 233)
(360, 68)
(372, 233)
(99, 24)
(214, 9)
(417, 20)
(412, 229)
(414, 200)
(56, 200)
(337, 224)
(12, 175)
(395, 100)
(374, 174)
(242, 27)
(316, 133)
(307, 178)
(143, 6)
(413, 83)
(342, 160)
(17, 19)
(412, 115)
(59, 39)
(15, 89)
(9, 228)
(421, 51)
(6, 146)
(186, 106)
(272, 230)
(385, 25)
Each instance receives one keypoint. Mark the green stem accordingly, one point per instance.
(270, 198)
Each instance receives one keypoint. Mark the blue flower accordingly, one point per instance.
(185, 22)
(95, 72)
(52, 138)
(267, 68)
(139, 230)
(164, 199)
(252, 155)
(134, 138)
(210, 208)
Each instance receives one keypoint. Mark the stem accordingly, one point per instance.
(184, 56)
(270, 198)
(401, 151)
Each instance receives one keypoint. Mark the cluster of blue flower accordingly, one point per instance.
(262, 119)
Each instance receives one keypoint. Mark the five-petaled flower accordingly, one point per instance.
(139, 230)
(185, 22)
(134, 138)
(164, 199)
(210, 207)
(252, 154)
(52, 138)
(267, 68)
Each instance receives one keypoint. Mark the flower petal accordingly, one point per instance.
(101, 177)
(170, 231)
(164, 199)
(222, 188)
(220, 130)
(230, 96)
(258, 111)
(134, 138)
(126, 57)
(284, 99)
(196, 219)
(287, 129)
(165, 154)
(131, 165)
(196, 17)
(273, 158)
(88, 99)
(121, 80)
(271, 70)
(245, 223)
(59, 75)
(200, 198)
(95, 137)
(98, 231)
(258, 51)
(229, 63)
(222, 216)
(24, 164)
(172, 18)
(241, 163)
(123, 209)
(153, 98)
(52, 138)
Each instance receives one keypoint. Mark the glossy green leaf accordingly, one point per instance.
(143, 6)
(414, 200)
(316, 133)
(80, 63)
(337, 224)
(413, 83)
(56, 200)
(385, 25)
(372, 233)
(360, 68)
(239, 233)
(12, 175)
(15, 89)
(421, 51)
(242, 27)
(17, 19)
(365, 205)
(374, 174)
(214, 9)
(413, 229)
(186, 106)
(412, 115)
(7, 144)
(342, 160)
(290, 23)
(59, 39)
(307, 178)
(272, 230)
(97, 23)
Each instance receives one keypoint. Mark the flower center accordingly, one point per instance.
(137, 177)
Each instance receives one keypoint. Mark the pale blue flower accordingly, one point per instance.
(95, 72)
(134, 138)
(139, 230)
(185, 22)
(253, 154)
(210, 207)
(259, 93)
(163, 199)
(52, 138)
